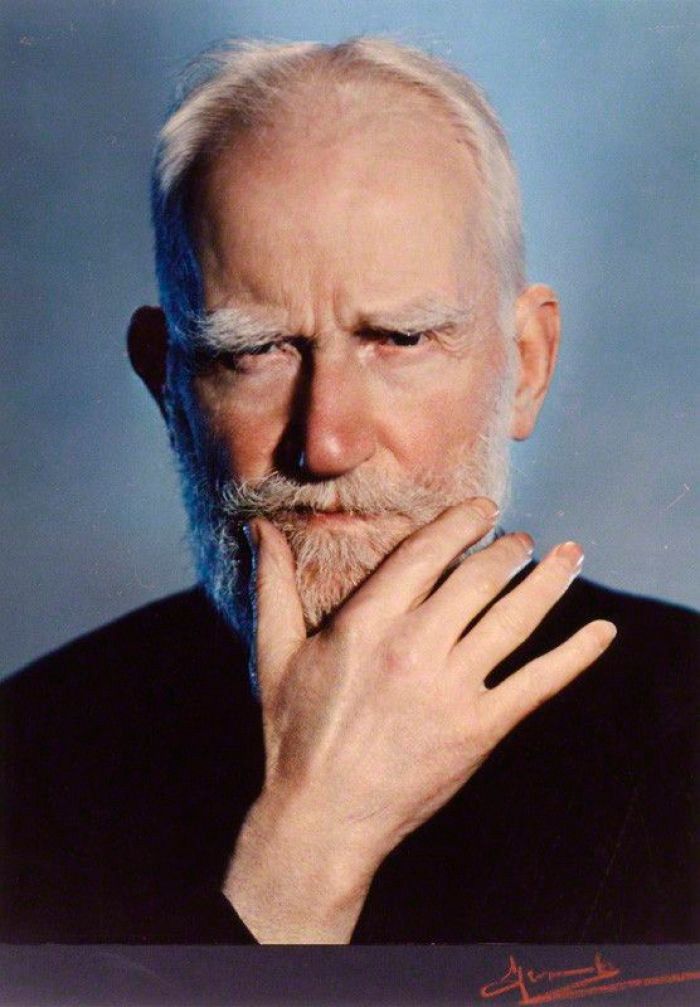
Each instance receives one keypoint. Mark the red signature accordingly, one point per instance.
(572, 984)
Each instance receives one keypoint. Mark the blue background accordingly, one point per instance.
(599, 100)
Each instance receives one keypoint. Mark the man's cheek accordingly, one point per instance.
(249, 446)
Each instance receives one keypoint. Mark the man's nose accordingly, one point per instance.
(335, 427)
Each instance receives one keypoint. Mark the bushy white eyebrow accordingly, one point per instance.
(234, 329)
(421, 316)
(231, 330)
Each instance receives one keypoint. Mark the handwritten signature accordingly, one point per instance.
(572, 984)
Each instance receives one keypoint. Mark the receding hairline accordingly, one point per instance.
(335, 116)
(238, 86)
(251, 83)
(323, 95)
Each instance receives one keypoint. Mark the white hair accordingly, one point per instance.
(236, 86)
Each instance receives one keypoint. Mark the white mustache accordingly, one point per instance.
(362, 493)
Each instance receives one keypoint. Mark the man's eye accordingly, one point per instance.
(236, 359)
(257, 351)
(405, 338)
(399, 339)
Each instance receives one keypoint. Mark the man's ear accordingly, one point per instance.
(537, 325)
(147, 341)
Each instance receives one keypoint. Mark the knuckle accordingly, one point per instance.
(401, 657)
(512, 622)
(488, 585)
(419, 550)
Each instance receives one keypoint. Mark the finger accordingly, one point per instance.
(280, 619)
(409, 573)
(539, 680)
(514, 617)
(470, 588)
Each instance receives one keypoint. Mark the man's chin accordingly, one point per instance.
(335, 552)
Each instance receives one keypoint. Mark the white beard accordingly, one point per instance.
(330, 563)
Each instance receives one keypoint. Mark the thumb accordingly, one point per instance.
(280, 627)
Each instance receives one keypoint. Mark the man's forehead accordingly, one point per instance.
(382, 223)
(362, 128)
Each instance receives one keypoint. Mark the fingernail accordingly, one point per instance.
(571, 552)
(526, 541)
(487, 508)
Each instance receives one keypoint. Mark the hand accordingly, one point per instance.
(375, 721)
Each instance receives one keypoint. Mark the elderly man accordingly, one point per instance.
(345, 346)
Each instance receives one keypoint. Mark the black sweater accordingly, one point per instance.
(131, 756)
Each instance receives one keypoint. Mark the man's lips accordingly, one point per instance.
(340, 516)
(344, 522)
(307, 515)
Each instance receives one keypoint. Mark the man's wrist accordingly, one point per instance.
(290, 883)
